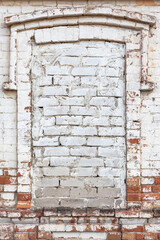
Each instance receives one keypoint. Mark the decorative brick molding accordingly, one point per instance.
(104, 16)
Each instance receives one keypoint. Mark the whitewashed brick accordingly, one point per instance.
(84, 172)
(56, 151)
(56, 171)
(62, 161)
(71, 182)
(86, 111)
(52, 91)
(84, 131)
(87, 162)
(78, 115)
(83, 92)
(50, 182)
(72, 101)
(73, 61)
(72, 141)
(47, 101)
(56, 130)
(96, 141)
(46, 142)
(58, 110)
(51, 70)
(83, 151)
(111, 152)
(69, 120)
(94, 121)
(113, 131)
(84, 71)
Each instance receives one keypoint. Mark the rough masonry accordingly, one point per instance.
(79, 156)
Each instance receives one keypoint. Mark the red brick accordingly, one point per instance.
(5, 180)
(114, 236)
(44, 235)
(24, 228)
(24, 205)
(128, 236)
(156, 188)
(134, 229)
(134, 141)
(32, 236)
(133, 189)
(134, 197)
(151, 236)
(157, 180)
(139, 236)
(23, 196)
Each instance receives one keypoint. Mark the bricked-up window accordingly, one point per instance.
(78, 106)
(79, 124)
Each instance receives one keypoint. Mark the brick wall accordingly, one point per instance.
(79, 156)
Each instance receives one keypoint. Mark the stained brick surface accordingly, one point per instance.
(79, 136)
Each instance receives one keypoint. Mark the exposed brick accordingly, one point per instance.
(139, 236)
(5, 180)
(133, 189)
(151, 236)
(114, 236)
(23, 197)
(32, 236)
(156, 188)
(24, 205)
(133, 197)
(128, 236)
(44, 235)
(157, 180)
(132, 228)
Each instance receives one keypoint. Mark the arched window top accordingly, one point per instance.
(70, 12)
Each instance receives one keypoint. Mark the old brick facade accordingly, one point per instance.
(80, 115)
